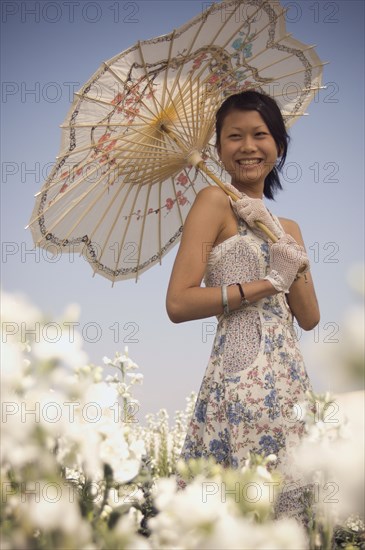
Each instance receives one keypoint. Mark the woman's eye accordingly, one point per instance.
(261, 133)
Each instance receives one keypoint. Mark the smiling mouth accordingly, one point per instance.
(249, 162)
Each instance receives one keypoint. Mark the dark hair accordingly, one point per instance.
(269, 110)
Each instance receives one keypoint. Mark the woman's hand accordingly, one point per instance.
(252, 210)
(286, 258)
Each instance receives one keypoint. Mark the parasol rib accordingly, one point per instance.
(164, 86)
(142, 229)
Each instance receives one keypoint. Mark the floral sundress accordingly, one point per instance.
(250, 396)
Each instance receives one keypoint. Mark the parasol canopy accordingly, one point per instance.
(138, 141)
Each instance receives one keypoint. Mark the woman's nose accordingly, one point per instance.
(248, 145)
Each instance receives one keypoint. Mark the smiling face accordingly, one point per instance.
(247, 150)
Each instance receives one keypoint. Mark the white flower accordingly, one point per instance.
(197, 505)
(136, 378)
(128, 364)
(84, 369)
(51, 506)
(135, 516)
(50, 412)
(271, 458)
(56, 344)
(111, 379)
(333, 459)
(12, 363)
(102, 394)
(123, 390)
(72, 312)
(138, 447)
(125, 495)
(79, 448)
(125, 529)
(164, 491)
(192, 519)
(114, 450)
(16, 309)
(241, 534)
(263, 473)
(126, 470)
(355, 523)
(120, 359)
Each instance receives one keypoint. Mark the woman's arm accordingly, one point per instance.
(302, 298)
(186, 299)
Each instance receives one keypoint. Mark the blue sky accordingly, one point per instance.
(48, 51)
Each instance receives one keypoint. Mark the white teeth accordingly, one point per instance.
(249, 161)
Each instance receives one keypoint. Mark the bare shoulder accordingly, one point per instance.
(213, 195)
(289, 225)
(292, 228)
(207, 215)
(211, 204)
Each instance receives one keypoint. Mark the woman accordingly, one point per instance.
(255, 375)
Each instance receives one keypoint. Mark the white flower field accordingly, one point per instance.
(79, 472)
